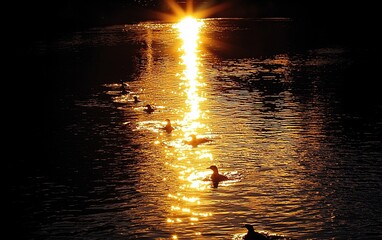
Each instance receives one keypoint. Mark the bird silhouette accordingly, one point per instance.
(252, 235)
(216, 177)
(196, 141)
(168, 128)
(123, 87)
(149, 109)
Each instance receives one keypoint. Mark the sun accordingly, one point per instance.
(190, 8)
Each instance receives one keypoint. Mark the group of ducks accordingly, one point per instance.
(194, 140)
(216, 177)
(148, 108)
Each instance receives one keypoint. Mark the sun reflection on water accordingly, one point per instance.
(278, 139)
(189, 33)
(187, 202)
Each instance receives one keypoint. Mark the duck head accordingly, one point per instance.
(213, 168)
(249, 227)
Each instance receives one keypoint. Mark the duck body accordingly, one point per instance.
(196, 141)
(123, 90)
(168, 128)
(216, 177)
(123, 87)
(149, 109)
(252, 235)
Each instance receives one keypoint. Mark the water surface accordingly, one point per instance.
(302, 149)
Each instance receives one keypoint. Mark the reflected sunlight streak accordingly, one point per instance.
(189, 33)
(186, 203)
(149, 52)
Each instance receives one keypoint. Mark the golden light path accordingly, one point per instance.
(187, 205)
(189, 32)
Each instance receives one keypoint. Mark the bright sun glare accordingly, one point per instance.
(200, 10)
(189, 29)
(189, 33)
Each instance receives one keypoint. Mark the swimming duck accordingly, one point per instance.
(123, 87)
(196, 141)
(216, 177)
(136, 100)
(252, 235)
(123, 90)
(149, 109)
(168, 128)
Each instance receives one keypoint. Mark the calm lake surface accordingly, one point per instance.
(290, 122)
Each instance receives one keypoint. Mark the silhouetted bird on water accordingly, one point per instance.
(149, 109)
(168, 128)
(123, 90)
(136, 100)
(216, 177)
(196, 141)
(252, 235)
(123, 87)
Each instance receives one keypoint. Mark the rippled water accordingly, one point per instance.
(303, 157)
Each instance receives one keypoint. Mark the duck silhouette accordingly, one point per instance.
(168, 128)
(123, 87)
(252, 235)
(136, 100)
(196, 141)
(149, 109)
(216, 177)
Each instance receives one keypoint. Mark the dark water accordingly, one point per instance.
(295, 125)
